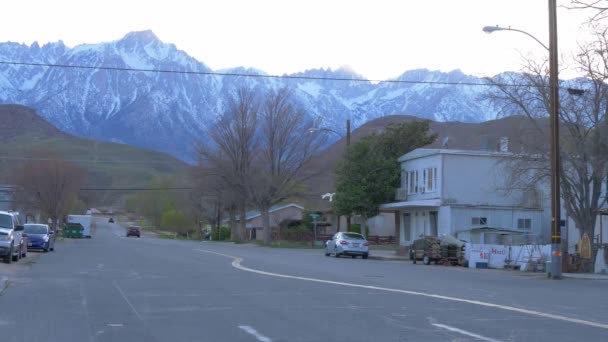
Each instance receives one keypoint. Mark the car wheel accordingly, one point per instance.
(16, 257)
(354, 256)
(8, 258)
(426, 260)
(326, 254)
(413, 257)
(46, 248)
(365, 256)
(337, 255)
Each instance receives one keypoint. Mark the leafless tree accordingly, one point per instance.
(229, 155)
(286, 146)
(584, 129)
(599, 6)
(50, 186)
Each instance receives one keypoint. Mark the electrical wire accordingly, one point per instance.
(235, 74)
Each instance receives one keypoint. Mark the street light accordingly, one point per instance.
(556, 240)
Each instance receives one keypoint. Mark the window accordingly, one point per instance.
(524, 224)
(411, 177)
(479, 221)
(430, 179)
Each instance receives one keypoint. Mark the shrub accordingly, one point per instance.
(221, 235)
(355, 228)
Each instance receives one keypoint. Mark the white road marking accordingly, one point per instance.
(127, 300)
(255, 333)
(236, 263)
(115, 325)
(464, 332)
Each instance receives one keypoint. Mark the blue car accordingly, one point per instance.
(39, 236)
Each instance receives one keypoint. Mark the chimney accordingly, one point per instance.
(504, 144)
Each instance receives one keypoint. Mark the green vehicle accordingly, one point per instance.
(73, 230)
(427, 249)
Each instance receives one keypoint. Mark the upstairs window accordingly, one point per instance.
(524, 224)
(479, 221)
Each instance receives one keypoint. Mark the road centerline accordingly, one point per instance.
(236, 263)
(464, 332)
(254, 333)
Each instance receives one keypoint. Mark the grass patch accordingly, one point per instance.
(289, 244)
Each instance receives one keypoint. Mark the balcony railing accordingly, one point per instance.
(400, 194)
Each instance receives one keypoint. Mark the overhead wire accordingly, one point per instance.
(237, 74)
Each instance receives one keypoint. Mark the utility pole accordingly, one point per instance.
(348, 132)
(556, 239)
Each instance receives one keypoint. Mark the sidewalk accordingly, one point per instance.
(379, 254)
(588, 276)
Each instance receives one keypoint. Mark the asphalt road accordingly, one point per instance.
(113, 288)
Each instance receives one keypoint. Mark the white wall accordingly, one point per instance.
(420, 164)
(476, 180)
(461, 219)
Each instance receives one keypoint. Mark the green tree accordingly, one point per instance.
(370, 171)
(175, 221)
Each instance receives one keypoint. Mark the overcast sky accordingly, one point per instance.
(379, 39)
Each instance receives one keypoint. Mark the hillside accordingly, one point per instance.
(25, 135)
(469, 136)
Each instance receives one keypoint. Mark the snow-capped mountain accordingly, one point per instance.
(170, 111)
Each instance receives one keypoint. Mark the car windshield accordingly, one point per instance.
(351, 236)
(36, 229)
(6, 221)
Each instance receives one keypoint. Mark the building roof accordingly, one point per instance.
(256, 213)
(426, 152)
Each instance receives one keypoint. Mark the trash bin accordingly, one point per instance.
(73, 230)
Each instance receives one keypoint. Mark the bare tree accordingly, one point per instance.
(286, 146)
(50, 186)
(599, 6)
(229, 156)
(583, 140)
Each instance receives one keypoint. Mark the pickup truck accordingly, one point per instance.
(13, 245)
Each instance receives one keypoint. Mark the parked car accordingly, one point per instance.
(133, 231)
(346, 243)
(40, 236)
(12, 243)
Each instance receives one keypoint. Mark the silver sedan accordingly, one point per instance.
(345, 243)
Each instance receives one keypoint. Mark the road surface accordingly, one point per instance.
(113, 288)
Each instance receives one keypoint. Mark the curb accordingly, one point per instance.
(589, 277)
(379, 257)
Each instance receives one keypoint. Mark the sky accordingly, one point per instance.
(379, 39)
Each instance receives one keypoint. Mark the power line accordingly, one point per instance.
(90, 160)
(235, 74)
(136, 189)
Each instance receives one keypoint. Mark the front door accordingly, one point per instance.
(433, 223)
(406, 229)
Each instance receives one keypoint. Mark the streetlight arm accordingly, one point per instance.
(490, 29)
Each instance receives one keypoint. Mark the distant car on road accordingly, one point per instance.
(346, 243)
(133, 231)
(12, 243)
(40, 236)
(111, 220)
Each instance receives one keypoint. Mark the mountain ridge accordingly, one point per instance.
(169, 112)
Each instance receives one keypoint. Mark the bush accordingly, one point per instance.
(222, 235)
(355, 228)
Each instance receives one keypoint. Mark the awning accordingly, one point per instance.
(410, 204)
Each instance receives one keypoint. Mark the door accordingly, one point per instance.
(433, 223)
(406, 228)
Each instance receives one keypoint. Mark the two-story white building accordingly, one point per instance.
(466, 194)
